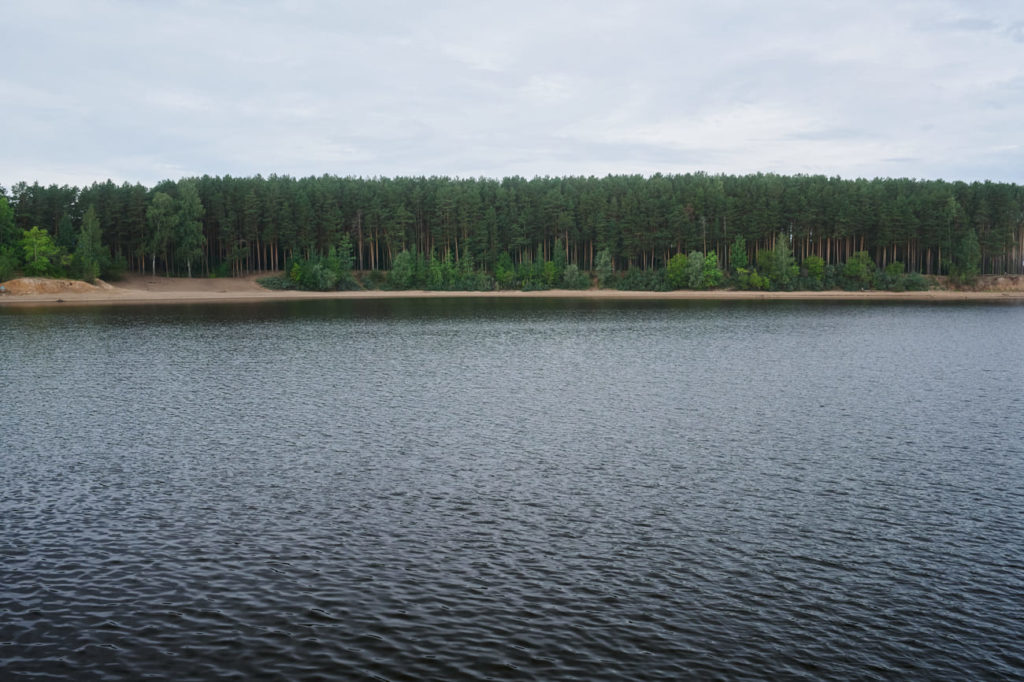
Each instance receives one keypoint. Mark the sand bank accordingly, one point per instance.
(140, 289)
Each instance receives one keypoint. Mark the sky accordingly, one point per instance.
(144, 91)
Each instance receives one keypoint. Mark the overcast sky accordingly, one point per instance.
(143, 91)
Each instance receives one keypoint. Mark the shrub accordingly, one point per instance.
(859, 271)
(813, 272)
(277, 282)
(403, 271)
(375, 279)
(675, 271)
(604, 269)
(712, 274)
(644, 280)
(915, 281)
(572, 278)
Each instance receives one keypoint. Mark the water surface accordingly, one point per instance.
(512, 489)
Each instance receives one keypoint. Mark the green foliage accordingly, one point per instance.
(343, 254)
(438, 273)
(859, 271)
(222, 269)
(695, 270)
(738, 254)
(675, 271)
(9, 233)
(778, 265)
(90, 254)
(114, 268)
(505, 272)
(162, 219)
(603, 269)
(558, 262)
(42, 257)
(189, 240)
(638, 279)
(812, 274)
(891, 278)
(750, 280)
(322, 273)
(403, 271)
(572, 278)
(375, 279)
(442, 274)
(277, 283)
(915, 281)
(258, 222)
(66, 237)
(966, 259)
(814, 267)
(551, 275)
(9, 262)
(712, 275)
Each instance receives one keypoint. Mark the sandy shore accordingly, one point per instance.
(139, 289)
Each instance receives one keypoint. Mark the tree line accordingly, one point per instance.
(224, 226)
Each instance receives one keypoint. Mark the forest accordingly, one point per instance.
(662, 231)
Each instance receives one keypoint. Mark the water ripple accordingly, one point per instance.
(554, 491)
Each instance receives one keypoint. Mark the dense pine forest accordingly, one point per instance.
(647, 230)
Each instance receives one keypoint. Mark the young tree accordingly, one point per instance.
(90, 254)
(403, 270)
(779, 264)
(162, 217)
(675, 271)
(695, 270)
(41, 254)
(190, 238)
(859, 270)
(558, 260)
(505, 271)
(603, 269)
(738, 254)
(815, 268)
(966, 259)
(712, 275)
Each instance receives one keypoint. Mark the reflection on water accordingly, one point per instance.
(539, 489)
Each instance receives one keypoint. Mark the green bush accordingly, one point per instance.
(749, 280)
(637, 279)
(277, 283)
(572, 278)
(403, 271)
(813, 273)
(375, 279)
(915, 281)
(712, 273)
(505, 272)
(675, 271)
(859, 271)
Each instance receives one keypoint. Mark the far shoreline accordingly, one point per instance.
(142, 290)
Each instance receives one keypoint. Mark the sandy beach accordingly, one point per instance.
(146, 290)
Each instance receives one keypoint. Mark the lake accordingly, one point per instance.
(512, 489)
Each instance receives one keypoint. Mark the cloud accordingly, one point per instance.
(135, 91)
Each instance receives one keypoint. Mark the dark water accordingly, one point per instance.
(512, 489)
